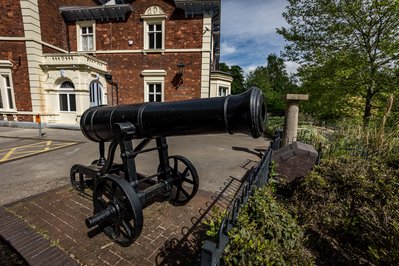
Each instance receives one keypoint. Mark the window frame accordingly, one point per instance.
(226, 89)
(7, 93)
(153, 45)
(155, 92)
(80, 25)
(154, 15)
(69, 92)
(153, 77)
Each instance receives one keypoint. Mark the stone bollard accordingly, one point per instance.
(291, 117)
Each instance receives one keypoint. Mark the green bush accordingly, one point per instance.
(272, 124)
(266, 234)
(349, 209)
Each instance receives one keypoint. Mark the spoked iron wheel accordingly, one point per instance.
(186, 182)
(125, 219)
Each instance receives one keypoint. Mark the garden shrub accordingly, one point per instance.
(349, 209)
(266, 234)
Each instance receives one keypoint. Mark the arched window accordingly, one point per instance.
(96, 93)
(67, 97)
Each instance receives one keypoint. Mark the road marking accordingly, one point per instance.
(8, 154)
(29, 145)
(47, 145)
(14, 153)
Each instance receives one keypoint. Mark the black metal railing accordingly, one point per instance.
(276, 142)
(212, 251)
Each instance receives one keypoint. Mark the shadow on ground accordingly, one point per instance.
(186, 250)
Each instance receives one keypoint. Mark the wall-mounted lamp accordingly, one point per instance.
(114, 84)
(180, 68)
(108, 76)
(130, 42)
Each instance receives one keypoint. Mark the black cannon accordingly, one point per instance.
(119, 192)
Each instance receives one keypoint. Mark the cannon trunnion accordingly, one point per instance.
(119, 192)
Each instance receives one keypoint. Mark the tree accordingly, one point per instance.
(237, 85)
(277, 74)
(273, 80)
(322, 32)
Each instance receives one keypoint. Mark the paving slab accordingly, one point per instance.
(37, 196)
(52, 224)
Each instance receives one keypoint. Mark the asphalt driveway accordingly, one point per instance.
(217, 158)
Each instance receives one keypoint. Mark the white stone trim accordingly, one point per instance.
(76, 61)
(144, 51)
(153, 73)
(153, 15)
(24, 39)
(32, 31)
(79, 26)
(154, 76)
(206, 56)
(7, 71)
(218, 80)
(154, 11)
(5, 64)
(170, 50)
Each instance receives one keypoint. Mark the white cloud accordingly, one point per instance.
(248, 69)
(227, 48)
(252, 18)
(292, 67)
(249, 31)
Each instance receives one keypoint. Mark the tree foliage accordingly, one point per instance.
(273, 80)
(324, 33)
(237, 85)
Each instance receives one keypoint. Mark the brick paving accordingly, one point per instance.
(172, 235)
(33, 247)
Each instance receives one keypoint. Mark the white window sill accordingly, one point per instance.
(153, 51)
(8, 112)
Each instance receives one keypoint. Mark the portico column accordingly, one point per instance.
(291, 116)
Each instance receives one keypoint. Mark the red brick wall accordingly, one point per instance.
(52, 25)
(126, 70)
(16, 53)
(11, 19)
(25, 118)
(48, 50)
(181, 33)
(54, 30)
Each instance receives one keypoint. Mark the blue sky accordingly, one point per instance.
(249, 32)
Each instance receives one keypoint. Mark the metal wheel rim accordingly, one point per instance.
(127, 225)
(187, 182)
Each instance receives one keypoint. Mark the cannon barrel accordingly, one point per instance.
(243, 113)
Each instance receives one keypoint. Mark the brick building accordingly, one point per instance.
(59, 57)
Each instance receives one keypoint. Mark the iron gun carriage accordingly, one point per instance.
(119, 192)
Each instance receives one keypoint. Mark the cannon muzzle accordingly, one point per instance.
(243, 113)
